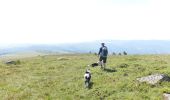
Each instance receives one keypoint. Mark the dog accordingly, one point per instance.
(95, 64)
(87, 77)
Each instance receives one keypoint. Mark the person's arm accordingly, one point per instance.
(107, 51)
(100, 51)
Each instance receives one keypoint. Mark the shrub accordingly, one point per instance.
(125, 53)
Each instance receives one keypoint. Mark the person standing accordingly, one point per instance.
(103, 52)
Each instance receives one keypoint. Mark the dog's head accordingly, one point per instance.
(87, 71)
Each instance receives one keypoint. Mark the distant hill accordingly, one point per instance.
(130, 46)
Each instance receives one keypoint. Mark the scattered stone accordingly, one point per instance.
(10, 62)
(153, 79)
(166, 96)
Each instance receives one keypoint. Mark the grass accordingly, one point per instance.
(60, 77)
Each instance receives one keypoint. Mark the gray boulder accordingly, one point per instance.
(10, 62)
(166, 96)
(153, 79)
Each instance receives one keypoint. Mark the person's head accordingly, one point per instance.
(102, 44)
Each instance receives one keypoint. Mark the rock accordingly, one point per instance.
(153, 79)
(10, 62)
(166, 96)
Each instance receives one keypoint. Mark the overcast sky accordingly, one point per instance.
(65, 21)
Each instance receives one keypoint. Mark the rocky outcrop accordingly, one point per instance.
(10, 62)
(153, 79)
(166, 96)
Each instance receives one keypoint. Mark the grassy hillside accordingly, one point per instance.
(60, 77)
(21, 55)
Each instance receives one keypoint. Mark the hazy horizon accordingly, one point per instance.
(11, 45)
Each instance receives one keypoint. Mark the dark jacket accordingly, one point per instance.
(103, 52)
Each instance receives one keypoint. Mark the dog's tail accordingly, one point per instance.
(88, 66)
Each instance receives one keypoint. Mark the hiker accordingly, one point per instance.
(103, 52)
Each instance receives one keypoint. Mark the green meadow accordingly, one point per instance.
(60, 77)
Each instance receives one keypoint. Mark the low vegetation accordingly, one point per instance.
(60, 77)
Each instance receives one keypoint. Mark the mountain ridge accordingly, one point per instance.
(130, 46)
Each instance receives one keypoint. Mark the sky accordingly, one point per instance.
(69, 21)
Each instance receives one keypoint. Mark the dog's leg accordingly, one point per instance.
(100, 63)
(86, 84)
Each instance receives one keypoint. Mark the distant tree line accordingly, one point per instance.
(113, 53)
(120, 53)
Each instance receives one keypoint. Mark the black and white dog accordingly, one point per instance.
(87, 77)
(95, 64)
